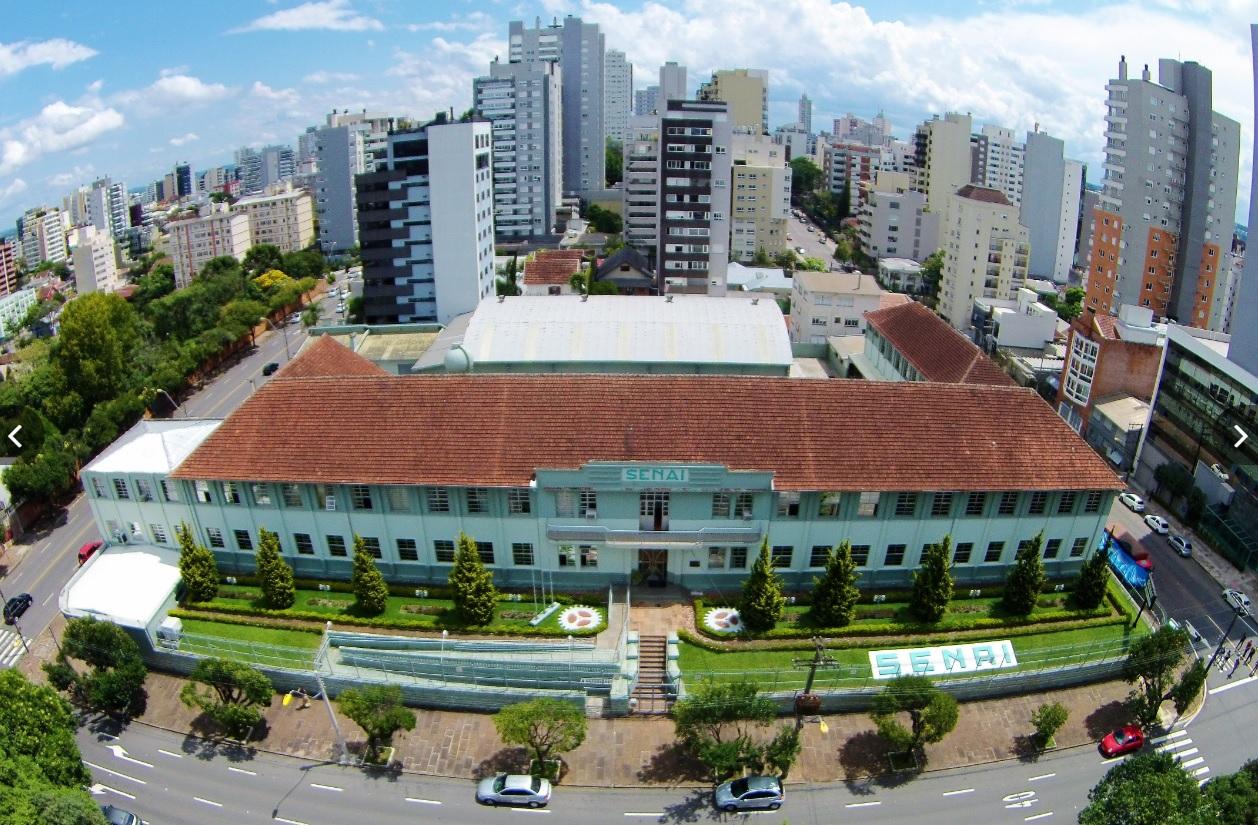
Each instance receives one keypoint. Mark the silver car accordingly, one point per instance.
(1238, 600)
(513, 789)
(1181, 545)
(748, 793)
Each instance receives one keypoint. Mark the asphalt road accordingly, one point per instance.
(815, 243)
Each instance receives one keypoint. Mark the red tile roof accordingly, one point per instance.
(936, 350)
(552, 266)
(325, 356)
(1107, 325)
(893, 299)
(983, 194)
(497, 430)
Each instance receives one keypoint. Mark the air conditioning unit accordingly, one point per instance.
(329, 503)
(746, 515)
(591, 513)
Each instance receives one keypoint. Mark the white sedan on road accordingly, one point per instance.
(1134, 502)
(1157, 524)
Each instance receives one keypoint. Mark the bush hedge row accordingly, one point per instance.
(435, 591)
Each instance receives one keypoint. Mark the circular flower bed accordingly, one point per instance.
(723, 620)
(580, 617)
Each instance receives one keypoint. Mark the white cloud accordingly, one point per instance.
(264, 92)
(185, 138)
(334, 15)
(75, 175)
(57, 53)
(59, 126)
(474, 21)
(322, 77)
(173, 90)
(17, 187)
(441, 75)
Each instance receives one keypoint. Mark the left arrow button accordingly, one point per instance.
(13, 434)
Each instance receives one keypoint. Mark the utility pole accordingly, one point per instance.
(807, 702)
(1236, 614)
(342, 750)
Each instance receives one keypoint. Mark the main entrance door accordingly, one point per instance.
(653, 565)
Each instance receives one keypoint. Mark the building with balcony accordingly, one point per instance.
(95, 260)
(760, 200)
(901, 275)
(8, 267)
(746, 93)
(1106, 357)
(618, 94)
(347, 146)
(218, 231)
(986, 252)
(284, 219)
(996, 161)
(641, 199)
(630, 495)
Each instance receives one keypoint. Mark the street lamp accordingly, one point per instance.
(288, 356)
(1236, 614)
(1201, 431)
(173, 403)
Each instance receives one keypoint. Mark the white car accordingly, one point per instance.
(1157, 524)
(801, 250)
(513, 789)
(1180, 545)
(1134, 502)
(1218, 470)
(1238, 600)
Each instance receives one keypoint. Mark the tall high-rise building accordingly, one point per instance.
(644, 100)
(578, 49)
(260, 168)
(617, 93)
(986, 252)
(641, 184)
(8, 267)
(747, 93)
(43, 235)
(1168, 202)
(852, 129)
(217, 231)
(694, 204)
(760, 204)
(284, 220)
(996, 160)
(95, 261)
(106, 202)
(522, 103)
(847, 166)
(426, 224)
(941, 158)
(1244, 312)
(183, 180)
(805, 113)
(673, 84)
(1052, 187)
(894, 221)
(347, 145)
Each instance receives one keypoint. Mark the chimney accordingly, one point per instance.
(1122, 67)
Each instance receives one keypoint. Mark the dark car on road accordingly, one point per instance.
(117, 816)
(270, 368)
(16, 606)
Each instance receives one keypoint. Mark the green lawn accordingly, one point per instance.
(260, 645)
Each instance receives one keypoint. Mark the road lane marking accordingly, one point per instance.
(1157, 740)
(326, 787)
(533, 811)
(1192, 762)
(1037, 816)
(115, 773)
(1231, 685)
(1184, 754)
(241, 770)
(1204, 769)
(1042, 776)
(288, 821)
(1170, 746)
(208, 802)
(423, 801)
(645, 813)
(99, 789)
(168, 753)
(48, 599)
(121, 753)
(958, 793)
(862, 804)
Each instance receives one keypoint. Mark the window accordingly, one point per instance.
(1092, 504)
(1066, 504)
(743, 505)
(819, 555)
(1008, 503)
(372, 545)
(829, 506)
(895, 555)
(1039, 503)
(1077, 549)
(137, 531)
(905, 504)
(98, 488)
(1023, 545)
(143, 490)
(738, 558)
(303, 543)
(325, 496)
(716, 558)
(720, 505)
(398, 499)
(521, 554)
(336, 546)
(961, 552)
(291, 495)
(788, 505)
(438, 499)
(477, 500)
(120, 488)
(360, 497)
(1051, 547)
(485, 549)
(519, 502)
(860, 554)
(867, 507)
(994, 549)
(780, 555)
(243, 540)
(941, 504)
(587, 506)
(261, 494)
(407, 550)
(214, 536)
(589, 556)
(231, 493)
(586, 556)
(159, 533)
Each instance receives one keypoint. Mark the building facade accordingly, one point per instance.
(1168, 203)
(646, 101)
(42, 232)
(941, 162)
(618, 94)
(673, 84)
(1051, 195)
(996, 161)
(1107, 357)
(8, 267)
(95, 261)
(894, 221)
(908, 342)
(426, 224)
(106, 203)
(846, 167)
(641, 207)
(345, 147)
(746, 91)
(828, 305)
(760, 204)
(14, 307)
(285, 220)
(258, 168)
(805, 113)
(986, 252)
(218, 231)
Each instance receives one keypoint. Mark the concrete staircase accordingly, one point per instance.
(651, 691)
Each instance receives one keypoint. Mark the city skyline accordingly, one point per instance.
(96, 94)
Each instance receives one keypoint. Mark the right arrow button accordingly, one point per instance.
(1244, 435)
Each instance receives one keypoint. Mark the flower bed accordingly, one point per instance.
(579, 617)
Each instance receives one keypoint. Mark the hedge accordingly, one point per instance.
(990, 590)
(435, 591)
(213, 613)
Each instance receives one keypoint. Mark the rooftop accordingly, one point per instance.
(936, 350)
(326, 356)
(838, 283)
(126, 584)
(903, 265)
(1127, 411)
(552, 267)
(983, 194)
(757, 278)
(154, 446)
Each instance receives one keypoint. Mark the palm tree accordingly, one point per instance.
(310, 318)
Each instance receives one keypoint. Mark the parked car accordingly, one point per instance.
(16, 606)
(86, 551)
(513, 789)
(1134, 502)
(748, 793)
(1137, 552)
(1180, 545)
(117, 816)
(1218, 470)
(295, 318)
(1237, 599)
(270, 368)
(800, 250)
(1127, 739)
(1157, 524)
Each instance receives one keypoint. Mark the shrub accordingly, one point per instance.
(1048, 719)
(835, 592)
(762, 602)
(932, 582)
(278, 591)
(475, 597)
(197, 568)
(370, 592)
(1026, 578)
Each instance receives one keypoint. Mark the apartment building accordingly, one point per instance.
(95, 259)
(852, 129)
(1052, 193)
(257, 168)
(848, 166)
(1108, 356)
(986, 252)
(805, 113)
(893, 219)
(746, 91)
(828, 305)
(694, 176)
(42, 232)
(760, 205)
(673, 83)
(617, 93)
(941, 162)
(522, 103)
(646, 101)
(284, 219)
(426, 224)
(798, 143)
(103, 205)
(1168, 202)
(641, 198)
(630, 498)
(8, 267)
(346, 146)
(216, 231)
(996, 161)
(579, 49)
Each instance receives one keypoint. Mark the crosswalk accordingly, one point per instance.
(1180, 747)
(10, 648)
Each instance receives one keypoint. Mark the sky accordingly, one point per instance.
(128, 89)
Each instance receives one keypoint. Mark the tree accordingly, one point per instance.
(932, 582)
(371, 594)
(1093, 581)
(197, 568)
(507, 283)
(475, 597)
(814, 265)
(715, 722)
(805, 178)
(233, 691)
(379, 711)
(95, 346)
(28, 797)
(845, 201)
(262, 257)
(786, 259)
(1048, 719)
(932, 274)
(544, 726)
(614, 162)
(1235, 796)
(604, 220)
(37, 724)
(1189, 686)
(304, 263)
(762, 602)
(834, 593)
(1151, 664)
(1026, 579)
(1175, 478)
(932, 712)
(310, 316)
(761, 258)
(117, 674)
(1147, 789)
(275, 575)
(1195, 506)
(782, 750)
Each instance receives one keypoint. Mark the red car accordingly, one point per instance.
(1127, 739)
(86, 551)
